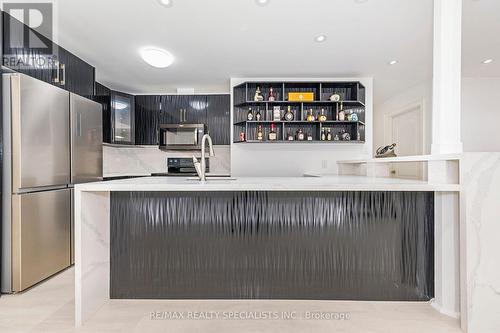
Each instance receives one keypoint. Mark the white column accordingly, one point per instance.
(447, 77)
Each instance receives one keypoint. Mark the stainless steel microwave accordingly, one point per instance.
(181, 136)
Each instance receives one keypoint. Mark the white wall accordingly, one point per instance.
(419, 94)
(481, 114)
(254, 159)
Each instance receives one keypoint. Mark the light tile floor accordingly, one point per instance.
(49, 307)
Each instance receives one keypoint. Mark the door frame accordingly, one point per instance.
(388, 117)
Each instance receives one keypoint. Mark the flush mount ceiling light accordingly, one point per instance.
(320, 38)
(166, 3)
(393, 62)
(487, 61)
(157, 57)
(262, 2)
(360, 1)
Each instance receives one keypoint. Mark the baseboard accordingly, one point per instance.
(440, 309)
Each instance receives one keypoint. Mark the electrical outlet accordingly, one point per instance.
(324, 164)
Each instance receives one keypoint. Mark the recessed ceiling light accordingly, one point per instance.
(320, 38)
(157, 57)
(487, 61)
(262, 2)
(360, 1)
(393, 62)
(166, 3)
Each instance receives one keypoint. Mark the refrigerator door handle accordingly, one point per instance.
(63, 81)
(78, 124)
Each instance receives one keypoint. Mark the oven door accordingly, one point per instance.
(181, 136)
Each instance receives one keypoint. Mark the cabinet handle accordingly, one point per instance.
(185, 117)
(180, 115)
(63, 81)
(56, 79)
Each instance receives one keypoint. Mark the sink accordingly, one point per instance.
(211, 179)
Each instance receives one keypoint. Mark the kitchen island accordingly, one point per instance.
(337, 237)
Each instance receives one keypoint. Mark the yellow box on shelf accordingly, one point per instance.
(300, 96)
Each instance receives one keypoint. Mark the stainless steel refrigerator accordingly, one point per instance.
(48, 145)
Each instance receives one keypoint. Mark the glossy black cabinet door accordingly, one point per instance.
(147, 118)
(172, 110)
(218, 118)
(195, 107)
(103, 95)
(47, 61)
(76, 75)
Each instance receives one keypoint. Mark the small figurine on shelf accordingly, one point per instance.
(310, 116)
(322, 115)
(271, 97)
(335, 98)
(336, 137)
(258, 95)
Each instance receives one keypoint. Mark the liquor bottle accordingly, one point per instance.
(336, 137)
(300, 135)
(341, 113)
(289, 115)
(250, 114)
(323, 135)
(260, 133)
(272, 133)
(290, 136)
(258, 116)
(309, 137)
(329, 135)
(271, 97)
(322, 115)
(258, 95)
(310, 116)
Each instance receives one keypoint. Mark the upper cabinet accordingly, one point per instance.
(102, 95)
(122, 118)
(219, 119)
(147, 119)
(29, 52)
(180, 109)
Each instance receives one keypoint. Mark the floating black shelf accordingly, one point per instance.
(352, 98)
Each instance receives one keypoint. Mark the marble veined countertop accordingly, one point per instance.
(325, 183)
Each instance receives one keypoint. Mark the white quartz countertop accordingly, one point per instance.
(326, 183)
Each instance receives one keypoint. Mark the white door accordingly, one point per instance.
(406, 130)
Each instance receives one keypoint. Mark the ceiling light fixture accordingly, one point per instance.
(262, 2)
(157, 57)
(166, 3)
(487, 61)
(320, 38)
(393, 62)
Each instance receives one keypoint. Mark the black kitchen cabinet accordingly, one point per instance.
(147, 119)
(77, 76)
(219, 119)
(122, 118)
(29, 52)
(102, 95)
(184, 109)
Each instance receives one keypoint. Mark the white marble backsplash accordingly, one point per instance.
(143, 160)
(480, 242)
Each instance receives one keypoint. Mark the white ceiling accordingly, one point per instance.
(215, 40)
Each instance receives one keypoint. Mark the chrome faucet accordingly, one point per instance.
(201, 166)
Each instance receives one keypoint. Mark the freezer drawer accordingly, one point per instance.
(40, 132)
(40, 236)
(86, 140)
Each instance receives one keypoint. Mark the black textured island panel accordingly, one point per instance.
(272, 245)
